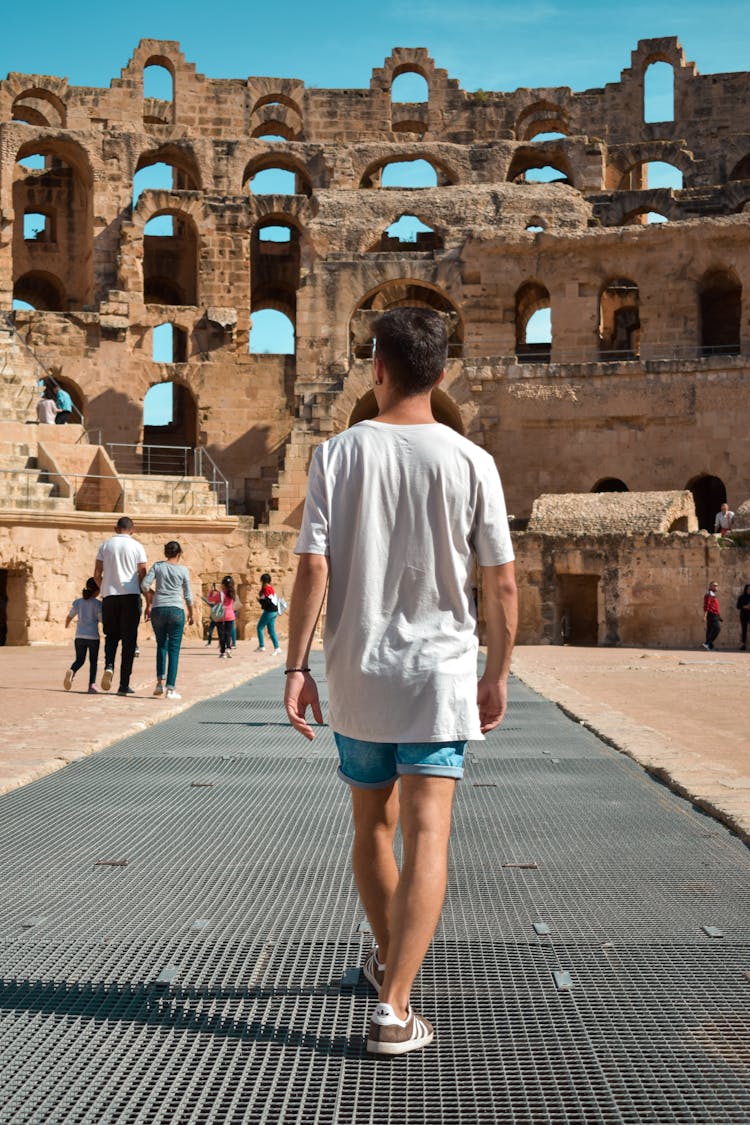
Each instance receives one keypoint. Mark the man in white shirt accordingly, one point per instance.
(119, 570)
(397, 509)
(724, 521)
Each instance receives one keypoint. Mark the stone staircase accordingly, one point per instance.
(165, 495)
(19, 374)
(23, 485)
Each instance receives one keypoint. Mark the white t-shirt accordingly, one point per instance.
(401, 511)
(120, 557)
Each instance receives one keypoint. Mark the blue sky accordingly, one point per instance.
(496, 45)
(500, 45)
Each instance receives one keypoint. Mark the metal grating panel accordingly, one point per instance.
(201, 981)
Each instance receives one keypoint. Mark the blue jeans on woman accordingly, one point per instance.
(168, 623)
(267, 621)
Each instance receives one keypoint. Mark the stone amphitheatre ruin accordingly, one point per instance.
(628, 425)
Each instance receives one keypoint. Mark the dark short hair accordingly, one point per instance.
(412, 343)
(172, 548)
(265, 579)
(124, 523)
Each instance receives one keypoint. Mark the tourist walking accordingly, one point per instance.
(224, 625)
(743, 605)
(88, 610)
(165, 607)
(214, 597)
(269, 604)
(397, 509)
(120, 568)
(711, 615)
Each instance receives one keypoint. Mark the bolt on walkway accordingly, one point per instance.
(180, 938)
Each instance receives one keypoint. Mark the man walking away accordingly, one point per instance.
(397, 509)
(711, 616)
(119, 570)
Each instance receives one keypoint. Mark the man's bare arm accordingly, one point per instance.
(501, 618)
(308, 593)
(98, 572)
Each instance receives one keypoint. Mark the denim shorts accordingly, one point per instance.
(374, 765)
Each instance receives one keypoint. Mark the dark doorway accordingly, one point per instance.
(709, 493)
(578, 608)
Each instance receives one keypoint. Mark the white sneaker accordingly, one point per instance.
(229, 654)
(172, 694)
(278, 652)
(159, 689)
(222, 656)
(261, 648)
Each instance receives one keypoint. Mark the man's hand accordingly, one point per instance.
(302, 692)
(492, 700)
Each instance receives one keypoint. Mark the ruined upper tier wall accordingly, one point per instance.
(711, 113)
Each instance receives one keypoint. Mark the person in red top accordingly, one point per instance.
(711, 616)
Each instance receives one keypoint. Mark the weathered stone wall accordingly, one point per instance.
(652, 413)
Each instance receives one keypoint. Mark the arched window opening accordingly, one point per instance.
(273, 181)
(409, 87)
(548, 174)
(530, 166)
(541, 137)
(275, 233)
(40, 291)
(619, 321)
(271, 333)
(741, 170)
(610, 484)
(409, 174)
(34, 162)
(660, 174)
(170, 418)
(170, 262)
(38, 107)
(398, 293)
(658, 92)
(535, 225)
(22, 306)
(533, 324)
(407, 234)
(161, 226)
(269, 132)
(641, 218)
(720, 301)
(38, 227)
(709, 493)
(168, 344)
(156, 177)
(158, 83)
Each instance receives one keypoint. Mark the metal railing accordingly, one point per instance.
(647, 353)
(170, 460)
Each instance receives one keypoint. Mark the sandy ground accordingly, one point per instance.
(684, 715)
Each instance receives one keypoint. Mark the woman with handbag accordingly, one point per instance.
(223, 614)
(269, 604)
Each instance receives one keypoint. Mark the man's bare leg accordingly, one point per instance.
(426, 805)
(375, 815)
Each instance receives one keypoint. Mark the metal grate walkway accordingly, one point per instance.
(177, 915)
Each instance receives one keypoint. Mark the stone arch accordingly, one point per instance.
(720, 309)
(619, 320)
(275, 267)
(531, 297)
(709, 493)
(181, 432)
(629, 162)
(446, 175)
(38, 106)
(181, 158)
(41, 289)
(64, 189)
(610, 484)
(170, 262)
(283, 161)
(430, 240)
(541, 117)
(525, 159)
(741, 170)
(402, 292)
(277, 113)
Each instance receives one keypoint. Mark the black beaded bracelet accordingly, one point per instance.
(288, 671)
